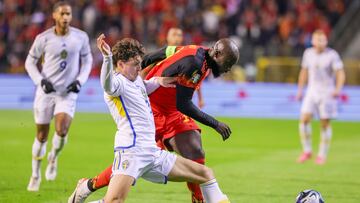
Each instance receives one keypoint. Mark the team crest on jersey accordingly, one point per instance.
(125, 164)
(63, 54)
(195, 77)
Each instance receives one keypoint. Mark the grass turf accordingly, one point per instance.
(257, 163)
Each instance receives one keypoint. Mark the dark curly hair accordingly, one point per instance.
(126, 49)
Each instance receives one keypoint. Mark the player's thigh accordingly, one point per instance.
(327, 108)
(62, 123)
(308, 108)
(66, 104)
(190, 171)
(188, 144)
(119, 188)
(163, 163)
(44, 105)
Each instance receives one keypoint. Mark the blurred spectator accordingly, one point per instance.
(268, 27)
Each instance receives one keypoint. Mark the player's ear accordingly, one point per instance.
(119, 64)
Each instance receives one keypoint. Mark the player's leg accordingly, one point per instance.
(305, 129)
(43, 111)
(325, 139)
(188, 144)
(187, 170)
(62, 124)
(86, 186)
(64, 112)
(327, 111)
(119, 188)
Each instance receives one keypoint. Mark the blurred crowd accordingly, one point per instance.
(266, 27)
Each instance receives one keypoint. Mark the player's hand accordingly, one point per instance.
(336, 94)
(47, 86)
(299, 96)
(224, 130)
(201, 103)
(74, 87)
(103, 46)
(167, 81)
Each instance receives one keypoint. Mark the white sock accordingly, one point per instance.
(212, 192)
(326, 135)
(305, 136)
(38, 153)
(58, 144)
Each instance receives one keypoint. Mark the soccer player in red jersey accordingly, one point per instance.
(173, 109)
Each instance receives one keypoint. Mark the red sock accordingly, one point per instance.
(195, 188)
(103, 179)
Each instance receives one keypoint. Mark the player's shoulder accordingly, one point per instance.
(198, 58)
(45, 34)
(78, 32)
(309, 50)
(331, 51)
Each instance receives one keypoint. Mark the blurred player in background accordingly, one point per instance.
(136, 153)
(173, 108)
(323, 68)
(60, 49)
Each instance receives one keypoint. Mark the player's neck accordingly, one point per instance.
(61, 31)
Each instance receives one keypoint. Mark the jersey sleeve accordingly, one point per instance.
(86, 61)
(191, 72)
(158, 56)
(337, 63)
(304, 60)
(36, 50)
(153, 57)
(112, 85)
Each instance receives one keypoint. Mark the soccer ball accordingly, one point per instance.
(309, 196)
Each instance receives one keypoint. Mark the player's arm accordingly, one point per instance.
(155, 82)
(85, 67)
(32, 59)
(338, 66)
(157, 56)
(302, 81)
(185, 105)
(303, 76)
(111, 87)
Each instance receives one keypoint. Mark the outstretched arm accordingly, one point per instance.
(155, 82)
(109, 85)
(157, 56)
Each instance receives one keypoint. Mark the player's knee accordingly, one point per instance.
(42, 136)
(207, 173)
(62, 132)
(194, 153)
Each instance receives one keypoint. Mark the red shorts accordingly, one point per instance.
(168, 120)
(167, 126)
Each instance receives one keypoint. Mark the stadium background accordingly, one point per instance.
(271, 35)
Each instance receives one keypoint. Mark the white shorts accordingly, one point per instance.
(151, 164)
(325, 106)
(48, 105)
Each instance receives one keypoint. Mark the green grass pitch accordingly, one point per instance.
(257, 163)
